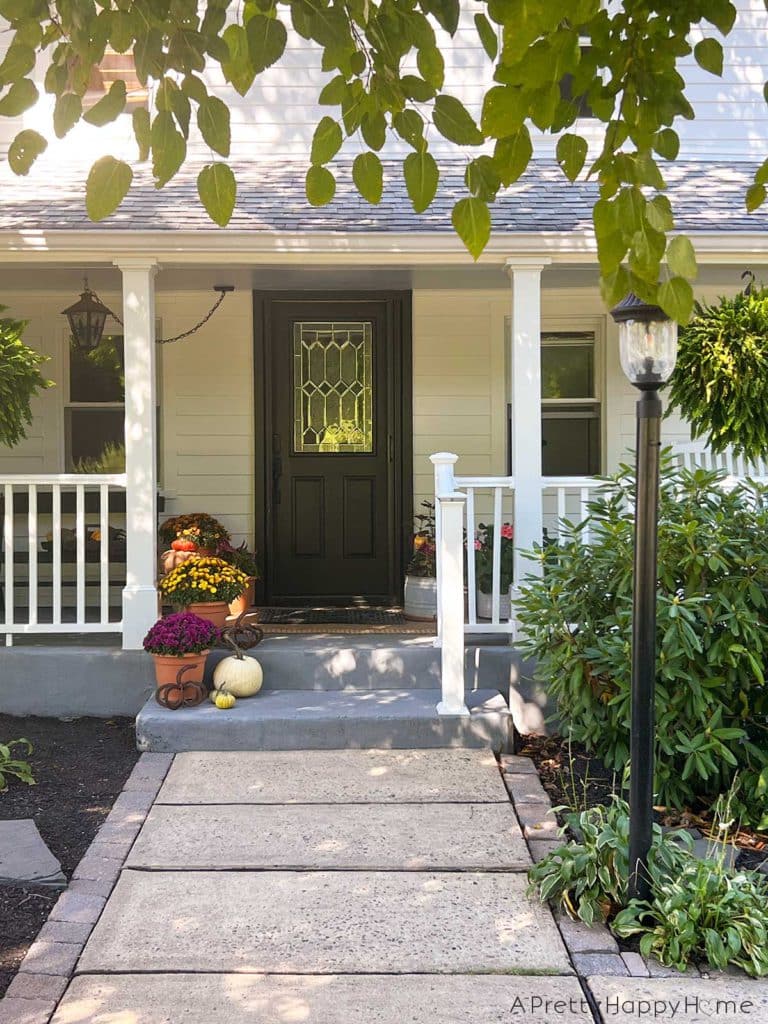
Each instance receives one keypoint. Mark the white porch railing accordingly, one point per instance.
(57, 573)
(695, 455)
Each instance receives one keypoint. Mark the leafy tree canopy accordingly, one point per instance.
(628, 74)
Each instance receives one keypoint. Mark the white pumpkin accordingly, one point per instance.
(239, 675)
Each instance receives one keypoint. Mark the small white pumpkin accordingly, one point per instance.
(239, 675)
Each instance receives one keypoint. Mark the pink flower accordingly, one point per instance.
(507, 531)
(478, 545)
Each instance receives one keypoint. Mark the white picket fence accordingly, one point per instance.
(55, 577)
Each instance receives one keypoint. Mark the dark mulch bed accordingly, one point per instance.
(80, 768)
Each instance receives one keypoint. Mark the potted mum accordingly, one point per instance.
(420, 597)
(198, 527)
(177, 641)
(205, 586)
(484, 570)
(245, 561)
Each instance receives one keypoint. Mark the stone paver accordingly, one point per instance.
(24, 857)
(682, 1000)
(324, 922)
(351, 836)
(328, 999)
(334, 776)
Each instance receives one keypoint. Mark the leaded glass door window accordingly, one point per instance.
(333, 387)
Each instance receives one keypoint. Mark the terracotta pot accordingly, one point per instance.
(246, 600)
(213, 611)
(167, 667)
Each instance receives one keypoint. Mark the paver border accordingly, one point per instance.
(51, 960)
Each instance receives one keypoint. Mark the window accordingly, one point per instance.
(570, 405)
(95, 413)
(583, 108)
(115, 67)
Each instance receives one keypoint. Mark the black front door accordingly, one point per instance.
(333, 449)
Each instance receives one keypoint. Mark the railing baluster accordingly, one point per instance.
(471, 560)
(496, 576)
(584, 511)
(560, 510)
(32, 554)
(8, 596)
(104, 551)
(56, 545)
(80, 568)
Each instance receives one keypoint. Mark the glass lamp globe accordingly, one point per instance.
(647, 343)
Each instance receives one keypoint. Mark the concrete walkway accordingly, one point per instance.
(333, 887)
(324, 888)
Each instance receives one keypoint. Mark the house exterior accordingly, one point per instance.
(358, 342)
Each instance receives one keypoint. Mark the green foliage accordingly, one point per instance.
(12, 765)
(628, 75)
(111, 460)
(721, 378)
(588, 876)
(20, 380)
(712, 635)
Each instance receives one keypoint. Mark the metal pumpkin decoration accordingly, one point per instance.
(181, 694)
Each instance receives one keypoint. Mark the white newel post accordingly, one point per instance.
(450, 586)
(525, 369)
(140, 593)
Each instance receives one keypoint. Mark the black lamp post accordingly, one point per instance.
(648, 348)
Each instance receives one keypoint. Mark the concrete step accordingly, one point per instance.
(328, 720)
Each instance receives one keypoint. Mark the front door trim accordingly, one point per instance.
(399, 392)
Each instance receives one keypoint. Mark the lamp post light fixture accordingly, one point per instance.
(86, 319)
(648, 350)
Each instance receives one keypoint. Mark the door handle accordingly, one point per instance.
(277, 468)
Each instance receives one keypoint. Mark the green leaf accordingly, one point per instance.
(409, 125)
(504, 109)
(431, 66)
(320, 186)
(332, 94)
(24, 150)
(213, 122)
(326, 142)
(676, 299)
(512, 155)
(487, 34)
(454, 122)
(141, 132)
(482, 178)
(20, 97)
(374, 129)
(266, 41)
(681, 257)
(168, 148)
(368, 176)
(421, 175)
(755, 197)
(238, 68)
(721, 14)
(107, 185)
(571, 154)
(658, 213)
(446, 13)
(217, 189)
(709, 55)
(109, 107)
(667, 143)
(416, 88)
(66, 113)
(18, 61)
(471, 219)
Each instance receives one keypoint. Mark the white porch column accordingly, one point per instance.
(140, 593)
(525, 391)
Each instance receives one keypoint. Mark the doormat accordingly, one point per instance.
(340, 620)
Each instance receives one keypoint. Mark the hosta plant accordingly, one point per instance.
(14, 766)
(712, 635)
(588, 876)
(705, 912)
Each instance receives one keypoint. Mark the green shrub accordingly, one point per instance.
(20, 380)
(13, 766)
(712, 635)
(588, 876)
(705, 913)
(721, 376)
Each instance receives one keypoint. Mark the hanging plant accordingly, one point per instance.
(720, 382)
(20, 380)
